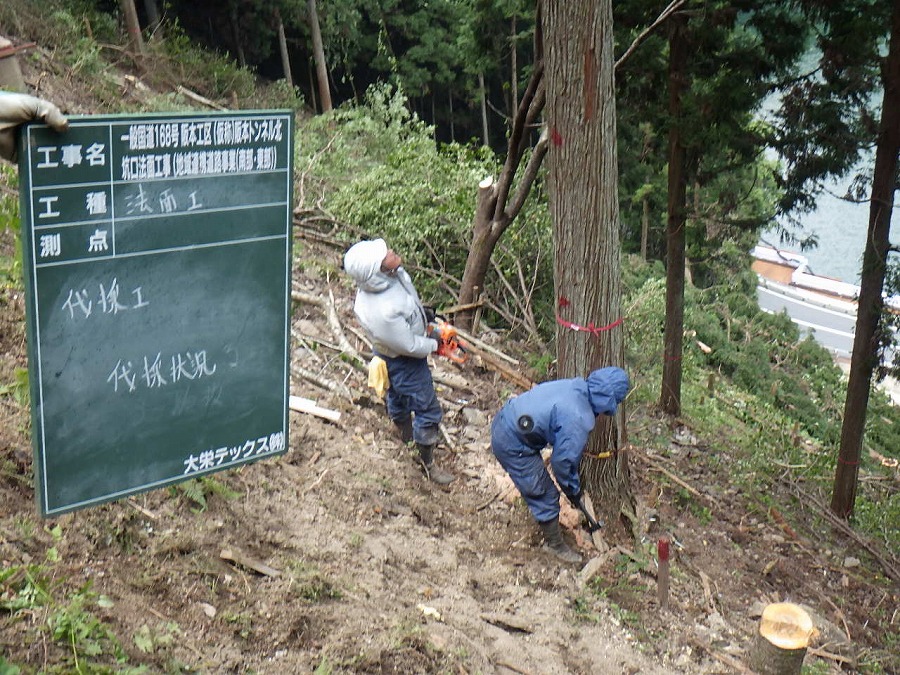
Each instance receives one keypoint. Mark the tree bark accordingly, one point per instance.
(154, 25)
(582, 188)
(283, 49)
(319, 54)
(865, 354)
(450, 104)
(495, 214)
(236, 36)
(670, 397)
(133, 26)
(645, 227)
(514, 70)
(485, 136)
(781, 641)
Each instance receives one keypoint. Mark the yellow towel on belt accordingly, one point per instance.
(378, 376)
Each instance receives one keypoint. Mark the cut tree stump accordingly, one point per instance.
(781, 642)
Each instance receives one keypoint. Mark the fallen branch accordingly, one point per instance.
(729, 661)
(248, 562)
(447, 439)
(890, 566)
(317, 480)
(311, 377)
(504, 664)
(484, 505)
(333, 321)
(508, 623)
(678, 481)
(822, 654)
(482, 346)
(141, 509)
(198, 98)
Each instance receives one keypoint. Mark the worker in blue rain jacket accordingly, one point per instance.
(559, 413)
(388, 308)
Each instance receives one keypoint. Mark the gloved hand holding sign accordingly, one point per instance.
(16, 109)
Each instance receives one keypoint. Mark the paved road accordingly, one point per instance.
(831, 322)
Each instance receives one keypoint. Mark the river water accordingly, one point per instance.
(841, 228)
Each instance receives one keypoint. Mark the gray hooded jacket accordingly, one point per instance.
(387, 305)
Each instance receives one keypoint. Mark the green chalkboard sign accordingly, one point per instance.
(157, 258)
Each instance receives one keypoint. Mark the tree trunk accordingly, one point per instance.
(496, 214)
(645, 227)
(870, 304)
(283, 49)
(486, 139)
(133, 26)
(670, 398)
(582, 187)
(514, 68)
(319, 53)
(312, 86)
(781, 641)
(484, 239)
(236, 37)
(450, 103)
(154, 26)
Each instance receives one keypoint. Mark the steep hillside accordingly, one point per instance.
(340, 557)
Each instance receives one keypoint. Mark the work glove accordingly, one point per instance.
(435, 334)
(430, 314)
(15, 110)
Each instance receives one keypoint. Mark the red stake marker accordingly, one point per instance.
(662, 576)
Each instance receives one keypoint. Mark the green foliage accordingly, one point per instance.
(7, 668)
(214, 74)
(149, 639)
(828, 111)
(384, 174)
(74, 623)
(309, 584)
(198, 491)
(18, 389)
(69, 618)
(768, 396)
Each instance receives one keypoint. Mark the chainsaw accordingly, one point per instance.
(449, 344)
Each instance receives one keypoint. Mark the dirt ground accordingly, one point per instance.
(340, 557)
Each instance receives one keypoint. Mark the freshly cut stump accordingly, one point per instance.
(780, 645)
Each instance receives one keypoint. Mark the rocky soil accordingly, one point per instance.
(340, 557)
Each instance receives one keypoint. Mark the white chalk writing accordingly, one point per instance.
(182, 366)
(216, 457)
(80, 303)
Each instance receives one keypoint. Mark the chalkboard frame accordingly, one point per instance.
(222, 384)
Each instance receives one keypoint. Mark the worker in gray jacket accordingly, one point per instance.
(562, 414)
(388, 308)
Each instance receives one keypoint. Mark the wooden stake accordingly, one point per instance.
(662, 575)
(781, 642)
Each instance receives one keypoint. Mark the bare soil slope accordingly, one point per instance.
(340, 557)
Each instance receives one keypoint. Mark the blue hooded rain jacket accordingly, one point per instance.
(559, 413)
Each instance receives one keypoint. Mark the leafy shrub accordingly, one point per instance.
(385, 176)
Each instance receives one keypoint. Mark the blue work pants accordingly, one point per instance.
(525, 466)
(411, 392)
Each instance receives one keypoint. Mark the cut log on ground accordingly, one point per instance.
(781, 642)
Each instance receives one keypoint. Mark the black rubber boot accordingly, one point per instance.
(554, 542)
(435, 473)
(405, 430)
